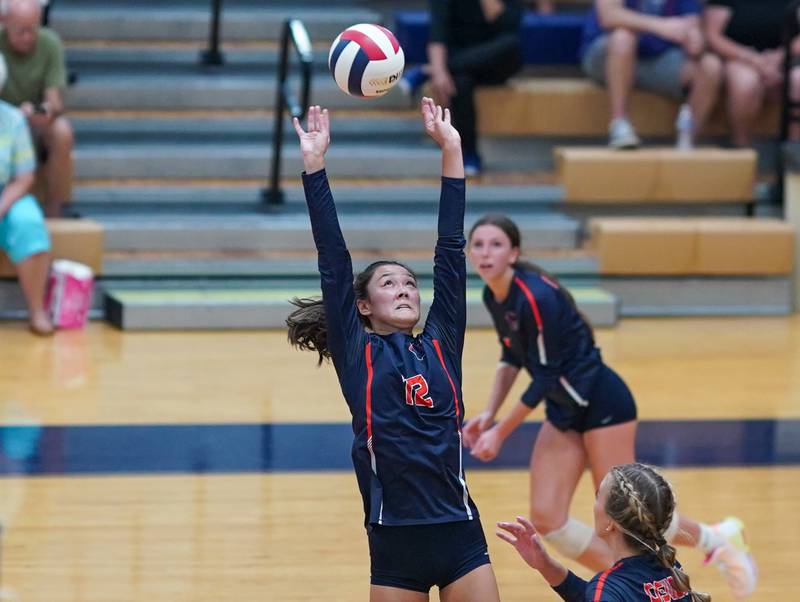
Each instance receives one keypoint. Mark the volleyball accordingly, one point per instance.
(366, 60)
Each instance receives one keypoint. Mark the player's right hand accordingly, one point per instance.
(528, 543)
(314, 141)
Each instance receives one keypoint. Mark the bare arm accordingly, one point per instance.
(504, 378)
(18, 187)
(613, 14)
(716, 20)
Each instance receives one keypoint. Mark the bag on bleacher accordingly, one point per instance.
(69, 293)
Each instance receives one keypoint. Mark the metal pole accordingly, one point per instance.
(213, 56)
(274, 195)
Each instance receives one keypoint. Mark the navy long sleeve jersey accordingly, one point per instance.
(404, 392)
(633, 579)
(539, 329)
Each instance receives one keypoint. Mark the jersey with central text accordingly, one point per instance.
(634, 579)
(403, 391)
(540, 329)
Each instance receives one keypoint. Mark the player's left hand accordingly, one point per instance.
(488, 445)
(528, 543)
(437, 124)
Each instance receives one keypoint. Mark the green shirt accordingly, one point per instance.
(29, 75)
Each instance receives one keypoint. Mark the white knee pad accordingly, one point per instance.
(672, 530)
(572, 539)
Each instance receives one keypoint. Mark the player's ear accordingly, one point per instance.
(514, 257)
(363, 306)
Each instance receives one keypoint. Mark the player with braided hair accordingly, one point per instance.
(632, 512)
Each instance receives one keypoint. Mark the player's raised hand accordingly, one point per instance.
(523, 536)
(437, 124)
(315, 139)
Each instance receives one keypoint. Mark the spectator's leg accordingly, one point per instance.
(59, 140)
(620, 69)
(745, 97)
(794, 93)
(32, 273)
(462, 109)
(705, 77)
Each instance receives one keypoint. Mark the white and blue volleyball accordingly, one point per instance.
(366, 60)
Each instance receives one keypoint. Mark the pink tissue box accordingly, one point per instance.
(69, 293)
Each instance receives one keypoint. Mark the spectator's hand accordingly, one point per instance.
(676, 30)
(528, 543)
(437, 124)
(695, 42)
(770, 67)
(443, 86)
(314, 142)
(476, 427)
(488, 445)
(27, 109)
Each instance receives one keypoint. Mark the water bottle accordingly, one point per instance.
(684, 127)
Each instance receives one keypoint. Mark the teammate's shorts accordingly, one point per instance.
(610, 402)
(417, 557)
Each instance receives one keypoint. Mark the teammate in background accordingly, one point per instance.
(590, 411)
(403, 391)
(633, 510)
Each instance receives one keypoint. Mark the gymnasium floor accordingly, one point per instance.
(200, 467)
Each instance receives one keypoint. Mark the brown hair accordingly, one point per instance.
(641, 502)
(510, 229)
(307, 327)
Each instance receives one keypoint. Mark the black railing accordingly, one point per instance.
(212, 55)
(294, 31)
(790, 107)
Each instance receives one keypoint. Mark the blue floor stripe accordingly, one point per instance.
(231, 448)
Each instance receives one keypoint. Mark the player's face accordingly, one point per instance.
(601, 519)
(393, 299)
(491, 253)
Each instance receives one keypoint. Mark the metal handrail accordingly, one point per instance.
(212, 55)
(294, 31)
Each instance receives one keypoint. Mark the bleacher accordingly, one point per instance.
(172, 156)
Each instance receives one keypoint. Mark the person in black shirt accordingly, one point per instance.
(632, 512)
(748, 36)
(471, 43)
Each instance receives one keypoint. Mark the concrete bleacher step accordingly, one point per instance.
(386, 229)
(212, 89)
(248, 160)
(225, 308)
(241, 20)
(219, 128)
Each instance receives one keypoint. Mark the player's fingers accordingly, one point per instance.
(528, 525)
(297, 127)
(326, 122)
(514, 528)
(438, 112)
(506, 537)
(447, 116)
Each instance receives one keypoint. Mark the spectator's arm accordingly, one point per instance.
(492, 9)
(716, 19)
(613, 14)
(53, 103)
(16, 188)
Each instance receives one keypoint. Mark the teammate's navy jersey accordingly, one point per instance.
(633, 579)
(541, 330)
(404, 392)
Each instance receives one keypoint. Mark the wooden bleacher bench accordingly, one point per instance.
(705, 175)
(576, 107)
(692, 246)
(80, 240)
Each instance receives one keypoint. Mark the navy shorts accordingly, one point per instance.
(610, 402)
(417, 557)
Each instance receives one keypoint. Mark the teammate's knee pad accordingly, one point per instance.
(671, 532)
(571, 539)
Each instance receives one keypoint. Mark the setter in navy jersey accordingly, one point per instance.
(633, 510)
(590, 411)
(403, 391)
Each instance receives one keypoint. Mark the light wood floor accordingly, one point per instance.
(300, 536)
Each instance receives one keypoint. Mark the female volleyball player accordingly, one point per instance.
(633, 510)
(403, 391)
(590, 412)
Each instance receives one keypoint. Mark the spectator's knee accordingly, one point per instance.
(622, 41)
(794, 83)
(742, 79)
(61, 134)
(711, 66)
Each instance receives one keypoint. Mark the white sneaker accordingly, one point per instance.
(621, 134)
(733, 558)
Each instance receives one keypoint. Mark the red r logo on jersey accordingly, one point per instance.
(417, 391)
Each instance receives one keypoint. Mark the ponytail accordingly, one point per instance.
(307, 328)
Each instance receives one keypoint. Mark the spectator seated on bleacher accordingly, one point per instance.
(36, 78)
(655, 45)
(23, 234)
(748, 36)
(471, 43)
